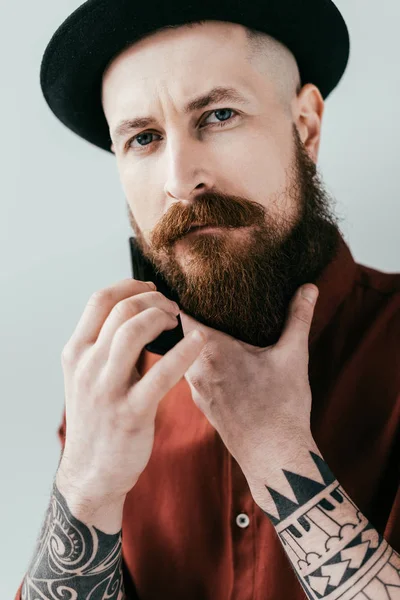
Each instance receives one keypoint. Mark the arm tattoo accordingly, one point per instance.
(336, 553)
(74, 561)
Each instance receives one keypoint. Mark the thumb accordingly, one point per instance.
(299, 318)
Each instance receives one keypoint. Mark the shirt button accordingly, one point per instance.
(242, 520)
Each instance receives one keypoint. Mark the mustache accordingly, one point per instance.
(208, 209)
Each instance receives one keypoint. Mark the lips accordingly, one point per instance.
(195, 228)
(198, 226)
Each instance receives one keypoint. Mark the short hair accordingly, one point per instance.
(269, 55)
(278, 60)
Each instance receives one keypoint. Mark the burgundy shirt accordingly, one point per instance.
(181, 535)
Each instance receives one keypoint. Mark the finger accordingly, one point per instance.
(98, 308)
(299, 318)
(128, 308)
(166, 373)
(130, 339)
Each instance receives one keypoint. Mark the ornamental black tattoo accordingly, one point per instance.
(335, 551)
(74, 561)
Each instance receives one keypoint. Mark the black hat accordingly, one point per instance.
(85, 43)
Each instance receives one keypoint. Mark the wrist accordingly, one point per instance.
(88, 487)
(293, 456)
(278, 451)
(104, 512)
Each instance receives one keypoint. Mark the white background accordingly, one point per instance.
(64, 231)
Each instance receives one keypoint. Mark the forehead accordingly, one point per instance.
(195, 40)
(186, 56)
(170, 67)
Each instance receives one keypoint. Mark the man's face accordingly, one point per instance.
(252, 177)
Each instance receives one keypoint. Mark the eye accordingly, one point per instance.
(139, 137)
(222, 110)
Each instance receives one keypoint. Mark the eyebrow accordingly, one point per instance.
(216, 94)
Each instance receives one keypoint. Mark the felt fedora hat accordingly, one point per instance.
(84, 44)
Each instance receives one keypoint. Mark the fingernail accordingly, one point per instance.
(309, 293)
(151, 284)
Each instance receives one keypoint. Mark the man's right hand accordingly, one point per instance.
(110, 409)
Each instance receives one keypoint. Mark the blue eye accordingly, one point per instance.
(149, 133)
(141, 135)
(221, 110)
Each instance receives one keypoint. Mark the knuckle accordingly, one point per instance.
(134, 327)
(68, 354)
(157, 316)
(86, 380)
(141, 301)
(125, 308)
(159, 295)
(133, 305)
(106, 295)
(82, 377)
(159, 381)
(158, 313)
(102, 296)
(161, 299)
(302, 315)
(143, 415)
(142, 285)
(129, 331)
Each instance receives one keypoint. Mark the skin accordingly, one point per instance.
(256, 176)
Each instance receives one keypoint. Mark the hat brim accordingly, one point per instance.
(85, 43)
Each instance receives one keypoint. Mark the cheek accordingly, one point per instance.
(134, 180)
(139, 189)
(262, 168)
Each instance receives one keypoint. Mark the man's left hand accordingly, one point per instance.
(258, 399)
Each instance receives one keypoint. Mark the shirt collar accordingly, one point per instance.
(334, 284)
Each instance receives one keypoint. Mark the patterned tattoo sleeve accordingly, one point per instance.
(336, 553)
(74, 561)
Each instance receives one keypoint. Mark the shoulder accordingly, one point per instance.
(378, 282)
(377, 295)
(367, 328)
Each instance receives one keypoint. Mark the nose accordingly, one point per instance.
(187, 173)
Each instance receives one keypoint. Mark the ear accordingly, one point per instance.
(308, 119)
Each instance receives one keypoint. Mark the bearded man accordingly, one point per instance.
(274, 471)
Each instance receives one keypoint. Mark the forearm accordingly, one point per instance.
(332, 547)
(79, 549)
